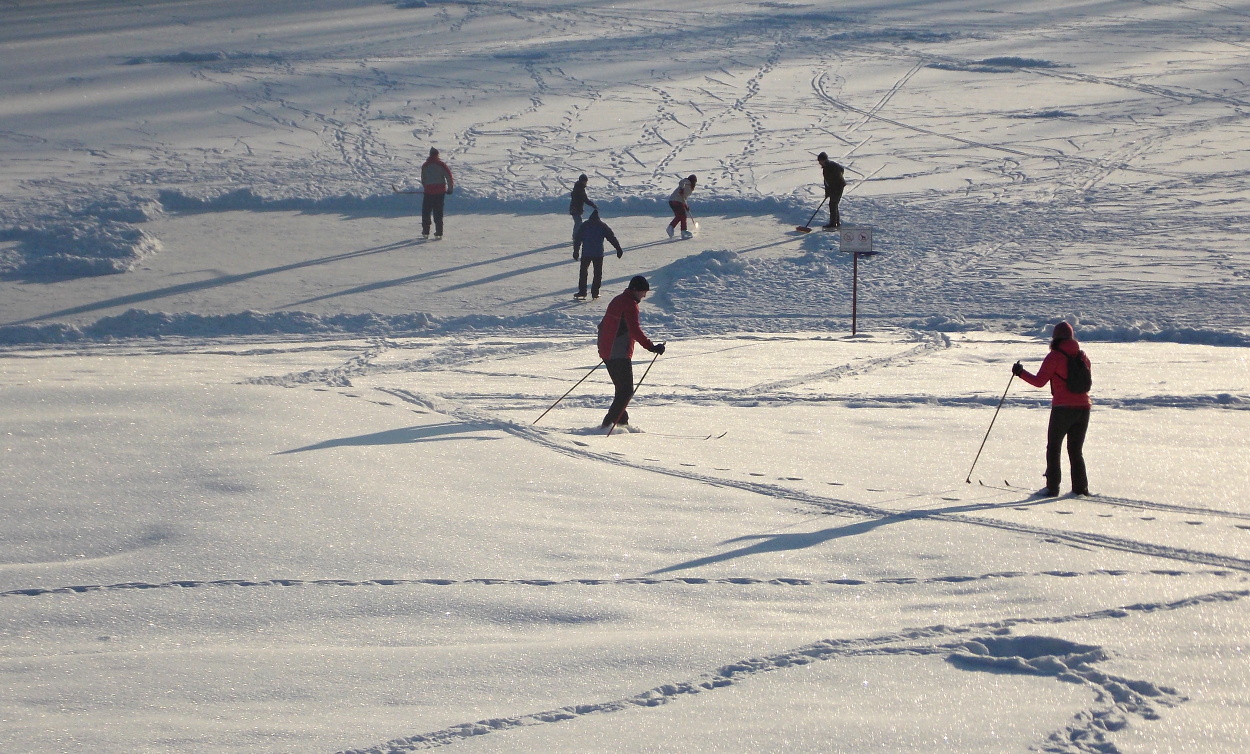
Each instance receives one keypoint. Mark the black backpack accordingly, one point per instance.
(1079, 379)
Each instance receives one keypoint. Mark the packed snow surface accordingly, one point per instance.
(273, 479)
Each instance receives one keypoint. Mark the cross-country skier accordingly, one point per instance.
(678, 200)
(437, 184)
(618, 331)
(577, 201)
(588, 241)
(835, 183)
(1069, 412)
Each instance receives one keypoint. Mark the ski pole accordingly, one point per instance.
(808, 228)
(631, 395)
(566, 395)
(987, 432)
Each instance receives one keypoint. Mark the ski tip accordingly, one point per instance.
(803, 229)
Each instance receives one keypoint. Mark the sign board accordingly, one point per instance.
(858, 240)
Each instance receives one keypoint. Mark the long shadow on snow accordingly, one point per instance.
(368, 287)
(422, 433)
(174, 290)
(803, 540)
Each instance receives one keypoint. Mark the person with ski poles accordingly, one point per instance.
(588, 242)
(679, 201)
(1067, 369)
(437, 184)
(577, 202)
(618, 331)
(835, 183)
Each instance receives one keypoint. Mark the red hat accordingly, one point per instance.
(1063, 331)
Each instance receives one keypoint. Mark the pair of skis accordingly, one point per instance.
(626, 406)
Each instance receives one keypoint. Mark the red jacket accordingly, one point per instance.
(436, 177)
(1054, 370)
(621, 321)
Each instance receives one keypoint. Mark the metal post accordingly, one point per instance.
(854, 290)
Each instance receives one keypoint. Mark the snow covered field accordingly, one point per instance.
(271, 476)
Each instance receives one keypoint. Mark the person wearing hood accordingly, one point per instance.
(1069, 408)
(588, 243)
(577, 203)
(679, 202)
(437, 184)
(618, 331)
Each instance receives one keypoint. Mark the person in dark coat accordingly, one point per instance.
(1069, 411)
(618, 331)
(436, 184)
(588, 242)
(835, 183)
(577, 202)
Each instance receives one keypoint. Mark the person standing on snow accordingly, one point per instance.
(835, 184)
(588, 241)
(1069, 412)
(437, 184)
(678, 200)
(618, 331)
(577, 203)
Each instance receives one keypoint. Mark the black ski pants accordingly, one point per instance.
(622, 373)
(835, 198)
(588, 262)
(1070, 423)
(432, 209)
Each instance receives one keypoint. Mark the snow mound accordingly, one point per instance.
(994, 65)
(79, 248)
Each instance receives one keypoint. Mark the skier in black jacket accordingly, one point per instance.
(577, 201)
(835, 183)
(588, 243)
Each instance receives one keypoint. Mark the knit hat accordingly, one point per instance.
(582, 178)
(639, 283)
(822, 156)
(433, 152)
(1063, 331)
(693, 179)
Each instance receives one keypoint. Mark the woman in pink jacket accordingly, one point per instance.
(1069, 410)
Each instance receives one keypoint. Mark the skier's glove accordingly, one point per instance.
(620, 253)
(1017, 369)
(575, 255)
(658, 349)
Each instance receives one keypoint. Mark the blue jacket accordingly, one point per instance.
(590, 238)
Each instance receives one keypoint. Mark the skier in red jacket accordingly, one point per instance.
(437, 184)
(618, 331)
(1069, 411)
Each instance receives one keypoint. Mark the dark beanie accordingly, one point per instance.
(582, 178)
(433, 152)
(822, 156)
(1063, 331)
(639, 283)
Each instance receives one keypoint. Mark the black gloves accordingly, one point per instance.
(658, 349)
(1017, 368)
(620, 253)
(575, 255)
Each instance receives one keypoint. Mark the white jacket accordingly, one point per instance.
(683, 192)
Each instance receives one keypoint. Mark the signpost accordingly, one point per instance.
(855, 241)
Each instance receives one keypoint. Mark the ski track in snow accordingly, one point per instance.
(979, 646)
(964, 513)
(1022, 202)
